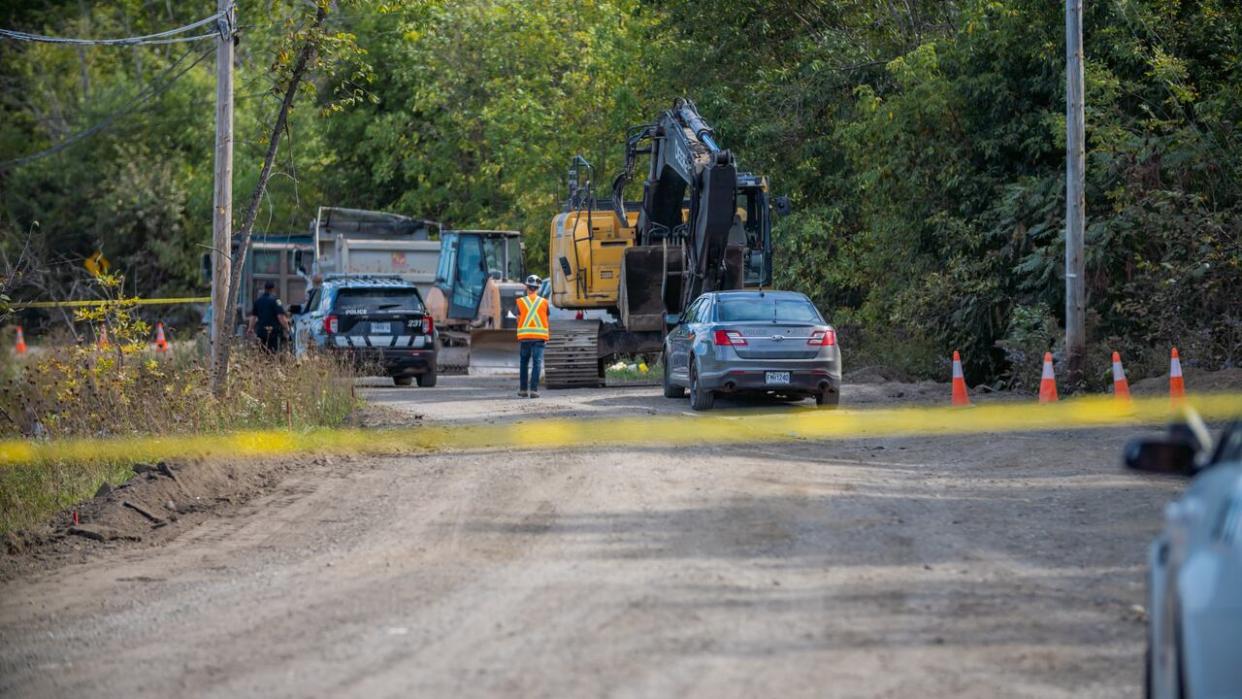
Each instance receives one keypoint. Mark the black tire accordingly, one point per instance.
(427, 380)
(403, 380)
(700, 398)
(828, 400)
(671, 390)
(1147, 671)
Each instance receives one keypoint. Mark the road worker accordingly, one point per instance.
(532, 334)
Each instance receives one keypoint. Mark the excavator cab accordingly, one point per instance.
(752, 230)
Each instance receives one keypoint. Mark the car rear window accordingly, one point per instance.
(770, 309)
(358, 301)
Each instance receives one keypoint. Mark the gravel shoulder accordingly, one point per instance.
(960, 566)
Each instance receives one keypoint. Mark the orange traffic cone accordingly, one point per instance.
(20, 347)
(161, 344)
(1177, 387)
(1048, 383)
(102, 343)
(1121, 387)
(960, 397)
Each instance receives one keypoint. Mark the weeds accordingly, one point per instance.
(635, 369)
(132, 390)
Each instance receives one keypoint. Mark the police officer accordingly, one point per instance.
(268, 320)
(532, 335)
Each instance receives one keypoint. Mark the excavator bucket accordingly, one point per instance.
(650, 284)
(493, 352)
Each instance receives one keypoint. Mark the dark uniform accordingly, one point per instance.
(267, 310)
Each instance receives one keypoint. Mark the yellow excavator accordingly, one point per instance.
(700, 226)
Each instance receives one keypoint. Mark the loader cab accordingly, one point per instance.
(468, 259)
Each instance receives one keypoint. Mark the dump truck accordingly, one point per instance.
(270, 258)
(356, 241)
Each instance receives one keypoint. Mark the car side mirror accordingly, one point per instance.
(1167, 456)
(672, 320)
(783, 206)
(295, 309)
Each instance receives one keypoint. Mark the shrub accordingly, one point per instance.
(92, 392)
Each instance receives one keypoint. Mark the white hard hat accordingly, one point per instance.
(533, 281)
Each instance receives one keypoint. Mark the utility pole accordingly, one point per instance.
(222, 209)
(1075, 199)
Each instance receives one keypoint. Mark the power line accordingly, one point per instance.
(165, 37)
(150, 92)
(130, 41)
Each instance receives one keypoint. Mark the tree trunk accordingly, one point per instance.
(252, 210)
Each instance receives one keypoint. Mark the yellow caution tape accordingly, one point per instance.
(723, 427)
(106, 302)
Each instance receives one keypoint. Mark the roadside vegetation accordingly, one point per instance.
(126, 387)
(634, 370)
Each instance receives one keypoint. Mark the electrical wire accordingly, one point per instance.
(155, 89)
(164, 37)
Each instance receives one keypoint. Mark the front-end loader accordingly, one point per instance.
(473, 300)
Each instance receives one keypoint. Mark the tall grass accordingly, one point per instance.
(128, 390)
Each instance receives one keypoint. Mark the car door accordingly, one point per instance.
(306, 322)
(680, 340)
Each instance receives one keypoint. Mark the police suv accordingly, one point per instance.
(378, 322)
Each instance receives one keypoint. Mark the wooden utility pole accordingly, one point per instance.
(1075, 199)
(222, 209)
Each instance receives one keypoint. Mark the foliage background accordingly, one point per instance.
(921, 142)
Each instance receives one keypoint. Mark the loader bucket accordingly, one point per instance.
(493, 352)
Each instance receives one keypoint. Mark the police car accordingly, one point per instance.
(379, 322)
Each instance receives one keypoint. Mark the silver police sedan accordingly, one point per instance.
(1194, 578)
(767, 342)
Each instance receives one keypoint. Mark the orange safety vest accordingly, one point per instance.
(533, 322)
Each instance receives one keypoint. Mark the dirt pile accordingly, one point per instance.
(159, 502)
(1197, 380)
(875, 374)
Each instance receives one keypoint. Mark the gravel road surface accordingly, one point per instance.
(984, 566)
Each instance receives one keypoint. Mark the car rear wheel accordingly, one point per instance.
(700, 398)
(827, 399)
(671, 390)
(403, 380)
(427, 380)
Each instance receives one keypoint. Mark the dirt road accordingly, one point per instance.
(979, 567)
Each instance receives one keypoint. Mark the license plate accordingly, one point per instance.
(776, 377)
(381, 328)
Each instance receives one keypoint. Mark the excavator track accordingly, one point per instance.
(571, 356)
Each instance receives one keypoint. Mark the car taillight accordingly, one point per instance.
(823, 338)
(730, 338)
(330, 325)
(428, 325)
